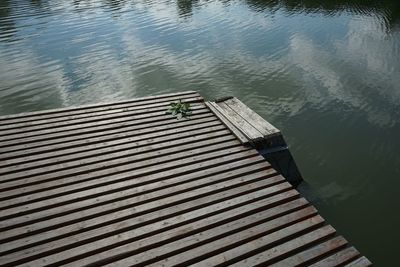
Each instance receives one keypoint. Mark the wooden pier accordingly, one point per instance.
(125, 184)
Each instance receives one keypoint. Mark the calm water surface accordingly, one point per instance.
(327, 73)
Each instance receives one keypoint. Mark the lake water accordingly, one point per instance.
(327, 73)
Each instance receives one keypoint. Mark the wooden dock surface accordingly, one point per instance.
(124, 184)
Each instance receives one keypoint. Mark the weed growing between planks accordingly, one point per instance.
(179, 109)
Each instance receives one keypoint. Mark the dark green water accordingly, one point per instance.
(327, 73)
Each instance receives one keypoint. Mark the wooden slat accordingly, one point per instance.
(246, 128)
(114, 227)
(126, 184)
(14, 199)
(43, 207)
(338, 259)
(220, 241)
(246, 125)
(102, 130)
(203, 134)
(313, 253)
(120, 169)
(113, 159)
(121, 173)
(243, 139)
(68, 125)
(360, 262)
(211, 240)
(77, 124)
(252, 117)
(174, 231)
(8, 119)
(108, 237)
(74, 132)
(118, 178)
(144, 107)
(105, 209)
(107, 143)
(267, 241)
(284, 249)
(124, 201)
(85, 155)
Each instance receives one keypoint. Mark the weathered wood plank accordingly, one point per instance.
(120, 207)
(146, 204)
(338, 259)
(109, 142)
(212, 240)
(83, 153)
(243, 139)
(76, 124)
(197, 225)
(144, 107)
(263, 239)
(284, 249)
(246, 128)
(108, 238)
(65, 177)
(102, 130)
(74, 187)
(313, 253)
(48, 202)
(45, 114)
(238, 232)
(113, 159)
(167, 169)
(13, 200)
(11, 134)
(360, 262)
(199, 136)
(36, 184)
(252, 117)
(137, 167)
(126, 184)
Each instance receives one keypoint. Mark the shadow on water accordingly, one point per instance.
(7, 24)
(185, 7)
(115, 5)
(37, 3)
(388, 9)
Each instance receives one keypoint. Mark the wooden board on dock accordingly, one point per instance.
(245, 124)
(125, 183)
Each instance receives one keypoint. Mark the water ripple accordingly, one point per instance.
(333, 66)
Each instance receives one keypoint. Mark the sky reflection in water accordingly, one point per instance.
(327, 74)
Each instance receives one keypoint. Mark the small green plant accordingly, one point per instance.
(179, 110)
